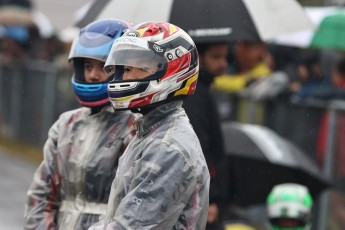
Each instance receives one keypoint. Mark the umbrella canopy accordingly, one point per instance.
(331, 32)
(210, 21)
(258, 159)
(328, 32)
(25, 17)
(14, 15)
(19, 3)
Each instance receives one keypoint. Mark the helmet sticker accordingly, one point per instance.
(178, 53)
(170, 56)
(132, 34)
(157, 48)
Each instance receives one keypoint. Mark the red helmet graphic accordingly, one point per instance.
(165, 52)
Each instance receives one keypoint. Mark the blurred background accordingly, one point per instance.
(290, 85)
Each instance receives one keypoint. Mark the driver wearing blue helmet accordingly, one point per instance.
(70, 188)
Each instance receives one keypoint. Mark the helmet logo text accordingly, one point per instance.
(157, 48)
(132, 34)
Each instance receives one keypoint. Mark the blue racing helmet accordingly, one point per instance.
(94, 41)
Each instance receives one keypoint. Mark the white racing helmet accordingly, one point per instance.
(289, 201)
(166, 52)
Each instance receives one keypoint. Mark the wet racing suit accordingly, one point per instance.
(162, 181)
(70, 188)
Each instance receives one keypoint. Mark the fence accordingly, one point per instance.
(32, 95)
(316, 126)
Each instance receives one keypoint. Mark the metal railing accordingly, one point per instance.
(32, 95)
(299, 122)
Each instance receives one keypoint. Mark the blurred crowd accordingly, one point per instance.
(253, 68)
(256, 70)
(245, 69)
(20, 43)
(267, 72)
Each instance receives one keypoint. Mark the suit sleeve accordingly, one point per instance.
(43, 194)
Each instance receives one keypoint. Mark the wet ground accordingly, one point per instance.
(15, 177)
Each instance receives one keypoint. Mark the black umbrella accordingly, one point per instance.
(17, 3)
(258, 159)
(210, 21)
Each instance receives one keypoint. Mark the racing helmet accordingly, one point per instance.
(94, 41)
(169, 56)
(289, 202)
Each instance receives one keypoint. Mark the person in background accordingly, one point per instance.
(201, 108)
(336, 214)
(289, 207)
(14, 44)
(162, 181)
(335, 92)
(203, 115)
(237, 218)
(70, 188)
(251, 61)
(311, 81)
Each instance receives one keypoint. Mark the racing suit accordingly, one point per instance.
(162, 181)
(70, 188)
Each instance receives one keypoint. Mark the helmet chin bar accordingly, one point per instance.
(99, 103)
(147, 93)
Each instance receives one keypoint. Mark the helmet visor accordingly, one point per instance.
(135, 52)
(91, 45)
